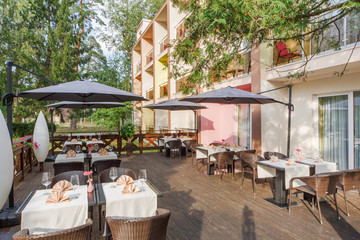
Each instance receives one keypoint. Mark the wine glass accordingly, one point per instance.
(113, 174)
(142, 178)
(96, 147)
(110, 148)
(78, 137)
(46, 179)
(90, 137)
(271, 155)
(64, 149)
(74, 180)
(78, 149)
(69, 138)
(99, 136)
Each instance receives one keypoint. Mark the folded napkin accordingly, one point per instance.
(319, 160)
(74, 140)
(183, 136)
(274, 159)
(212, 146)
(124, 180)
(167, 137)
(227, 144)
(129, 189)
(62, 185)
(57, 197)
(71, 154)
(94, 140)
(103, 152)
(234, 146)
(290, 162)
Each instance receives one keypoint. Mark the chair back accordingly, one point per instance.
(194, 146)
(68, 166)
(174, 144)
(282, 49)
(350, 179)
(324, 184)
(140, 228)
(224, 158)
(275, 154)
(101, 165)
(189, 142)
(103, 177)
(240, 153)
(67, 175)
(251, 159)
(79, 233)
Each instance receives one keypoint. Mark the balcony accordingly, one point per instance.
(149, 57)
(138, 67)
(180, 30)
(164, 44)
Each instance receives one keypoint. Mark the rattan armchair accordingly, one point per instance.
(147, 228)
(224, 159)
(317, 186)
(193, 151)
(101, 165)
(103, 177)
(67, 175)
(79, 233)
(174, 146)
(275, 154)
(187, 144)
(249, 166)
(68, 166)
(349, 180)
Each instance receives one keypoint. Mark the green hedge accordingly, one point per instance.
(24, 129)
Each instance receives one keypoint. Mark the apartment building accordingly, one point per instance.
(326, 116)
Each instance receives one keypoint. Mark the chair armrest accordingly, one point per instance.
(21, 233)
(298, 178)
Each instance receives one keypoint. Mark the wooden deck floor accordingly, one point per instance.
(205, 208)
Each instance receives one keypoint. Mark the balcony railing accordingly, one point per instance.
(138, 67)
(164, 44)
(149, 57)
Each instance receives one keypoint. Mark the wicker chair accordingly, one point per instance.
(317, 186)
(216, 144)
(79, 233)
(147, 228)
(224, 159)
(103, 177)
(174, 146)
(188, 143)
(67, 175)
(249, 166)
(275, 154)
(193, 151)
(101, 165)
(238, 155)
(349, 180)
(68, 166)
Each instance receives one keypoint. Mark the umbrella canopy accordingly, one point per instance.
(176, 105)
(81, 91)
(82, 105)
(230, 95)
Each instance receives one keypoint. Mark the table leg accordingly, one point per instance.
(280, 191)
(208, 165)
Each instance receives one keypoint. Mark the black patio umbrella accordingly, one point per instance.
(78, 105)
(177, 105)
(83, 105)
(229, 95)
(81, 91)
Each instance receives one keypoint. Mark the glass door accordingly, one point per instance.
(334, 129)
(244, 125)
(356, 130)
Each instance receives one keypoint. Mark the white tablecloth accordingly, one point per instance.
(297, 170)
(142, 204)
(70, 143)
(40, 217)
(321, 167)
(204, 152)
(61, 158)
(91, 142)
(97, 157)
(162, 141)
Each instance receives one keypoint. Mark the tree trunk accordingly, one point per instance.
(73, 124)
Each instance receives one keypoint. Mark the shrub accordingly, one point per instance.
(128, 130)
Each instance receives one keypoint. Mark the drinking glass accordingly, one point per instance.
(78, 137)
(99, 136)
(96, 147)
(69, 138)
(46, 179)
(113, 175)
(78, 149)
(74, 180)
(271, 155)
(142, 178)
(110, 148)
(64, 149)
(90, 137)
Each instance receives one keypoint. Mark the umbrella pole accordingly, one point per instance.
(290, 108)
(52, 130)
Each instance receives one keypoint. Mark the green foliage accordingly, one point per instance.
(128, 130)
(111, 117)
(219, 31)
(24, 129)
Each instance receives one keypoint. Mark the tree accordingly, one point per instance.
(220, 31)
(114, 116)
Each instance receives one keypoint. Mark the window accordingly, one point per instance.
(149, 57)
(180, 30)
(138, 67)
(163, 90)
(163, 44)
(244, 125)
(150, 94)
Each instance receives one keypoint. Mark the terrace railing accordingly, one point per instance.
(24, 158)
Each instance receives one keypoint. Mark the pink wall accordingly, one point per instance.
(219, 121)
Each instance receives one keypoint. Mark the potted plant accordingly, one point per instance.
(127, 132)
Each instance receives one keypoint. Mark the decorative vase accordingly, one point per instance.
(90, 186)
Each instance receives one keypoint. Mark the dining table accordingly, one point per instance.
(282, 172)
(40, 217)
(205, 152)
(96, 156)
(162, 140)
(62, 158)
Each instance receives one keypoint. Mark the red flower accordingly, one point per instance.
(89, 145)
(87, 173)
(298, 150)
(85, 136)
(36, 145)
(223, 140)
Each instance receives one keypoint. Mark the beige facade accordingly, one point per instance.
(312, 97)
